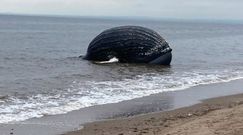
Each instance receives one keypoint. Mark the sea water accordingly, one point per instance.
(41, 72)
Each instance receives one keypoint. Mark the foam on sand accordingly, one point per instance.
(82, 94)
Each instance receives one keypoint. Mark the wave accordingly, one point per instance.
(82, 94)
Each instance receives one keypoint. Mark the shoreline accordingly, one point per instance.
(167, 101)
(221, 115)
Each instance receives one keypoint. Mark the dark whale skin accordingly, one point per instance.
(130, 44)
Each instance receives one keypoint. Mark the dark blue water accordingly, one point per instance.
(41, 74)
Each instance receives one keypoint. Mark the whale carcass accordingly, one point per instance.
(130, 44)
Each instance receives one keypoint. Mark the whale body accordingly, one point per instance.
(130, 44)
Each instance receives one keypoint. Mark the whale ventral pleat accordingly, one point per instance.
(130, 44)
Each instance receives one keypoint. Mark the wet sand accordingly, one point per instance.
(217, 116)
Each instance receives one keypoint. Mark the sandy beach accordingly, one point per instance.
(217, 116)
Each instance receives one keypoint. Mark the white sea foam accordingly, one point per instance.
(90, 93)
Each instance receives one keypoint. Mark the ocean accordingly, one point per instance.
(41, 72)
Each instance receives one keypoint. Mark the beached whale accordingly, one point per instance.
(130, 44)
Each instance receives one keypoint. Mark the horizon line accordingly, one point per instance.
(129, 18)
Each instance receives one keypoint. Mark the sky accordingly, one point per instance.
(175, 9)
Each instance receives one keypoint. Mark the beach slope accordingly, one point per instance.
(217, 116)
